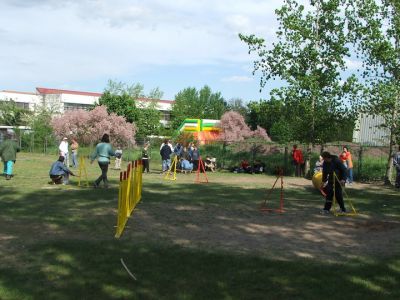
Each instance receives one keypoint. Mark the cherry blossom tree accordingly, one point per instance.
(234, 127)
(89, 126)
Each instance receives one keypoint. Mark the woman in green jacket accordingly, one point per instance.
(8, 154)
(102, 153)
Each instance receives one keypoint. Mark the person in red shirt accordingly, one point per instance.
(346, 156)
(298, 161)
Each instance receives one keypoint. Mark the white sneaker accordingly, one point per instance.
(324, 212)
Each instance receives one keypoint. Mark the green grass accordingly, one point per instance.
(58, 242)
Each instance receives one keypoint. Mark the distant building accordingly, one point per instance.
(369, 131)
(60, 101)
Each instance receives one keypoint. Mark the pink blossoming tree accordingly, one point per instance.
(234, 128)
(89, 126)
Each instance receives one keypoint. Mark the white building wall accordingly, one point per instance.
(368, 131)
(79, 99)
(32, 99)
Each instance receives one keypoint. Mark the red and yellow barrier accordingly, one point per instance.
(130, 193)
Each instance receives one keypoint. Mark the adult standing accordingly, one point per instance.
(146, 157)
(8, 154)
(165, 153)
(74, 150)
(103, 152)
(63, 147)
(333, 178)
(195, 157)
(349, 164)
(298, 161)
(396, 164)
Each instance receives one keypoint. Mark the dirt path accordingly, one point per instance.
(296, 233)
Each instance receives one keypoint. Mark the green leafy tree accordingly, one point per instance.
(375, 26)
(266, 114)
(120, 104)
(148, 121)
(203, 104)
(121, 99)
(309, 57)
(11, 114)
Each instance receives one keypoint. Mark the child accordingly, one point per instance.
(118, 158)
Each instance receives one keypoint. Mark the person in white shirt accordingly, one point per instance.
(64, 150)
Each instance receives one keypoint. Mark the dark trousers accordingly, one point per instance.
(330, 191)
(397, 184)
(195, 165)
(57, 179)
(299, 170)
(146, 165)
(104, 169)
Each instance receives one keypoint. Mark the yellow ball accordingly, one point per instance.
(317, 180)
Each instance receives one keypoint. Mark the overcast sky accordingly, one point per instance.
(81, 44)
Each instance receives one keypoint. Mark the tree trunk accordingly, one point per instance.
(307, 162)
(392, 142)
(286, 160)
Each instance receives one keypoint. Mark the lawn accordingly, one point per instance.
(193, 241)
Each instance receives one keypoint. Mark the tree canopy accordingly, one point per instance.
(309, 57)
(202, 104)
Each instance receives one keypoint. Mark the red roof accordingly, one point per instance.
(57, 91)
(47, 91)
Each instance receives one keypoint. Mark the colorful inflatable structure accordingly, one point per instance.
(204, 130)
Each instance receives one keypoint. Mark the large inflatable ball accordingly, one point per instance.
(317, 180)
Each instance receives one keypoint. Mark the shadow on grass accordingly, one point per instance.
(63, 246)
(89, 270)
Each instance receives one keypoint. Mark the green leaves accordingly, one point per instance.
(309, 58)
(203, 104)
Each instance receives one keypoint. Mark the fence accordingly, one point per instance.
(130, 193)
(369, 161)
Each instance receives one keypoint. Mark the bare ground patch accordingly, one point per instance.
(244, 229)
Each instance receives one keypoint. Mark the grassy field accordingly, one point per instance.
(193, 241)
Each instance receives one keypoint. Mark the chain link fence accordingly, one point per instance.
(370, 162)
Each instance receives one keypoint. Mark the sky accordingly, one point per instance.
(172, 45)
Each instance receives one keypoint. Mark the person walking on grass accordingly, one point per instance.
(8, 154)
(103, 152)
(396, 164)
(333, 178)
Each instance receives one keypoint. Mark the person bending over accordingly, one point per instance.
(333, 184)
(59, 173)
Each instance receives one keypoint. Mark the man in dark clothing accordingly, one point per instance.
(59, 173)
(396, 164)
(165, 153)
(333, 178)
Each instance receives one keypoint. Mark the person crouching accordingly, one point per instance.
(59, 173)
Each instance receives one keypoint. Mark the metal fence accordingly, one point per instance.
(370, 162)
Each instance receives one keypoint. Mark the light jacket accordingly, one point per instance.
(103, 152)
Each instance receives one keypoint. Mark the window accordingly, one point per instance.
(72, 106)
(165, 115)
(23, 105)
